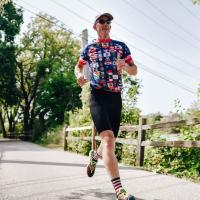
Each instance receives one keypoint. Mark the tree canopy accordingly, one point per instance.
(10, 20)
(45, 73)
(196, 1)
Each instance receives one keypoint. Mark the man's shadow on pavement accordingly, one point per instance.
(91, 194)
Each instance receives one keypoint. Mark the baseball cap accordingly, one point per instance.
(103, 14)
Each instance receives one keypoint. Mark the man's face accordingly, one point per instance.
(103, 26)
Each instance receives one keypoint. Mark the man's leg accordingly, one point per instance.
(98, 152)
(108, 153)
(106, 150)
(111, 164)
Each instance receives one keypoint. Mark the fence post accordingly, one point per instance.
(94, 132)
(65, 133)
(139, 148)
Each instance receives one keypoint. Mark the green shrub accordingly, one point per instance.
(128, 155)
(82, 147)
(55, 136)
(182, 162)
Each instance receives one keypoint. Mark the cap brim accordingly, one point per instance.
(104, 14)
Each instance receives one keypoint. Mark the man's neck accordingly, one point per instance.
(103, 36)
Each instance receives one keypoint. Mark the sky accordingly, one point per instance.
(163, 36)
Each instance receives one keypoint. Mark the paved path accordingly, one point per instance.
(31, 172)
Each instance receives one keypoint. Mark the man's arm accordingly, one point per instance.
(79, 74)
(131, 68)
(78, 70)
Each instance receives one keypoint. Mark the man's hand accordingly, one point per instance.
(130, 68)
(120, 65)
(81, 80)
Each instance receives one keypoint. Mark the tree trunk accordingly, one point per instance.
(11, 127)
(26, 120)
(32, 117)
(2, 125)
(10, 122)
(42, 122)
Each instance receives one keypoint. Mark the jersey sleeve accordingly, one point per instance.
(126, 54)
(83, 57)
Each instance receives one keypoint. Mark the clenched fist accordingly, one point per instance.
(120, 65)
(81, 80)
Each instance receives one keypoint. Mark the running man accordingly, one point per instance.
(107, 59)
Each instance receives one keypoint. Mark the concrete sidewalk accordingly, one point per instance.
(31, 172)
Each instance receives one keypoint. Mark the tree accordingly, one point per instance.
(10, 21)
(45, 72)
(194, 110)
(2, 3)
(57, 94)
(196, 1)
(132, 85)
(81, 116)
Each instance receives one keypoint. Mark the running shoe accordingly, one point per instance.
(123, 195)
(92, 164)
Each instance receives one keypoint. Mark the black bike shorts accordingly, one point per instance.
(105, 108)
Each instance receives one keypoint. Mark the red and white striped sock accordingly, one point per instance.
(116, 184)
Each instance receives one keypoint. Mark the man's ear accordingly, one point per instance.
(94, 26)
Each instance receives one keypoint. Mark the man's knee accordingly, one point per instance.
(108, 139)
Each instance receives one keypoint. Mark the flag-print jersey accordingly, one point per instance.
(102, 57)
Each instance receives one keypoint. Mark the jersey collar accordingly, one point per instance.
(107, 40)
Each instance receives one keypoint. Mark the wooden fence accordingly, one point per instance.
(141, 131)
(25, 135)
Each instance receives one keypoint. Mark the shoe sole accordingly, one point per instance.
(130, 198)
(90, 169)
(90, 172)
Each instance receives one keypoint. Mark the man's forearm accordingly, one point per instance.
(131, 69)
(78, 71)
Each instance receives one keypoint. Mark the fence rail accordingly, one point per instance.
(25, 135)
(141, 130)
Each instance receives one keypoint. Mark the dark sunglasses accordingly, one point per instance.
(102, 21)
